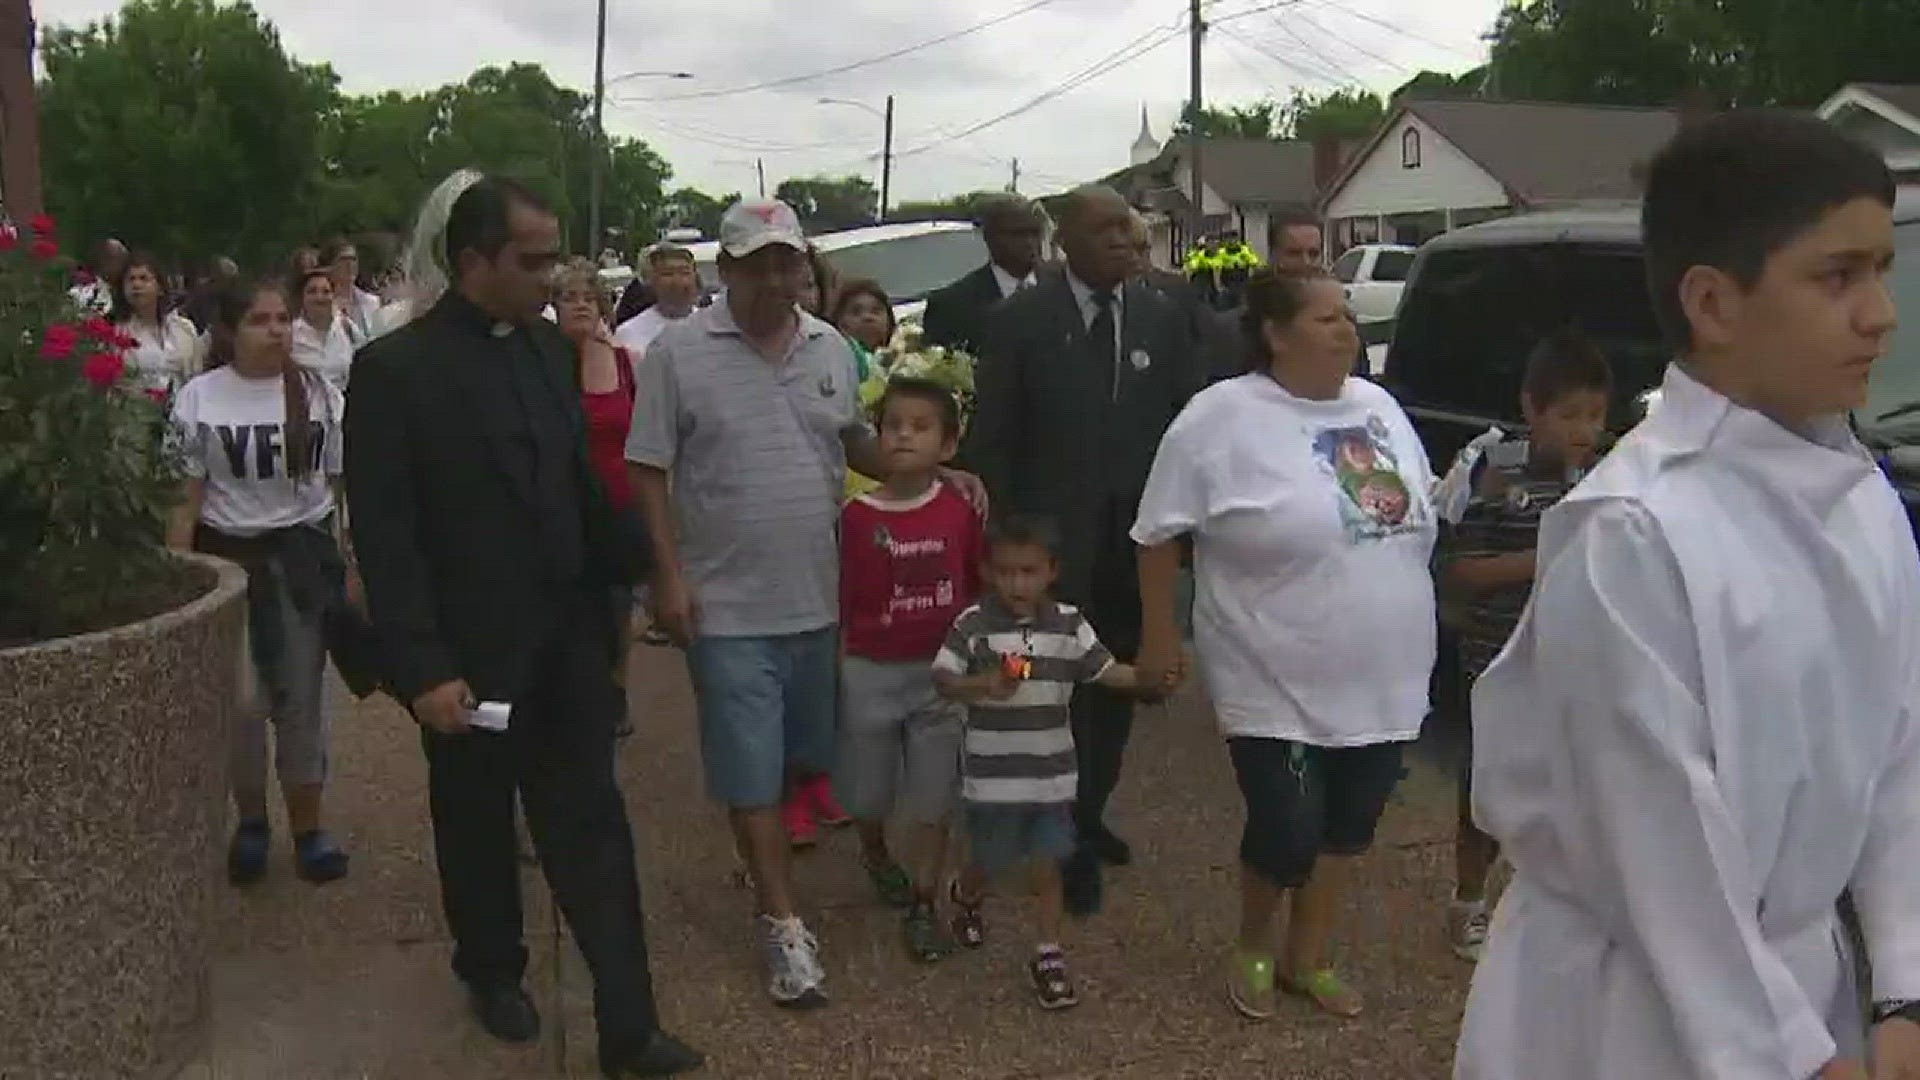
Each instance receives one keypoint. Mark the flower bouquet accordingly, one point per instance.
(909, 356)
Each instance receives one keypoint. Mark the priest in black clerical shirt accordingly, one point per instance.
(488, 550)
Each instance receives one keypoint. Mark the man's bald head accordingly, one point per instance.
(1096, 232)
(1012, 227)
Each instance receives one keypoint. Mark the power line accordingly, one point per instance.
(1354, 46)
(1356, 13)
(792, 80)
(1298, 65)
(1126, 54)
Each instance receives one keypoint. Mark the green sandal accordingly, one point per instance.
(1328, 992)
(1250, 985)
(890, 883)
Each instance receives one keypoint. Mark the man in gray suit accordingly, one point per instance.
(1078, 377)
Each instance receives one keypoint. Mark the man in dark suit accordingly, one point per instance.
(488, 552)
(1012, 228)
(1216, 334)
(1078, 378)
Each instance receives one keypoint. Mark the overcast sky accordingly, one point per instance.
(1080, 132)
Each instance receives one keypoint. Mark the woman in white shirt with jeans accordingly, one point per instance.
(168, 349)
(1306, 497)
(260, 437)
(321, 342)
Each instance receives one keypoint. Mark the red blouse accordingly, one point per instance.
(608, 416)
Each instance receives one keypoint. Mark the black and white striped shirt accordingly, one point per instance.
(1020, 750)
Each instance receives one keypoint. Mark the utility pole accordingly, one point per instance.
(599, 135)
(1196, 35)
(19, 123)
(760, 170)
(886, 161)
(1013, 184)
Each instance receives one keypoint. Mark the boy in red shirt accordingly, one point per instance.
(910, 556)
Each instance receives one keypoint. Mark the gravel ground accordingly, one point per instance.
(349, 982)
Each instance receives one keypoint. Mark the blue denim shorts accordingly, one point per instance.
(1004, 836)
(766, 705)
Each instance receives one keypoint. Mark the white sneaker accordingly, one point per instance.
(1467, 925)
(795, 978)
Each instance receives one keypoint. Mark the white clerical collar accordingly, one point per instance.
(1007, 282)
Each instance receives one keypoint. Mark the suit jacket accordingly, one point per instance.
(1057, 432)
(956, 313)
(462, 579)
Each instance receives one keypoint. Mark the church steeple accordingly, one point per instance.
(1145, 147)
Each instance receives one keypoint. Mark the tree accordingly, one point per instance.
(826, 204)
(1335, 114)
(689, 208)
(183, 126)
(958, 208)
(1739, 52)
(1439, 84)
(1260, 120)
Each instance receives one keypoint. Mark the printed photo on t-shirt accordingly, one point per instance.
(1374, 497)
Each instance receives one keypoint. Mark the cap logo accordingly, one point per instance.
(766, 213)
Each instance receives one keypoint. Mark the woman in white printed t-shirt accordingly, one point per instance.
(168, 351)
(260, 436)
(1306, 495)
(321, 342)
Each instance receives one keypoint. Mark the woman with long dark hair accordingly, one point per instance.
(1306, 495)
(168, 349)
(321, 341)
(260, 439)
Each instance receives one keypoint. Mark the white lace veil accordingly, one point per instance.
(424, 270)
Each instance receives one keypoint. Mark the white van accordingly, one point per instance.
(909, 260)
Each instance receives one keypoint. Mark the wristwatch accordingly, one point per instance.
(1898, 1009)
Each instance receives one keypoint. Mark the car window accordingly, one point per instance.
(1348, 265)
(1392, 265)
(1896, 378)
(910, 267)
(1472, 316)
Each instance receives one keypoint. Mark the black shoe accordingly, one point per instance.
(507, 1013)
(663, 1055)
(1080, 884)
(1105, 846)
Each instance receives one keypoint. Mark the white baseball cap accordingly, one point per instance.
(750, 225)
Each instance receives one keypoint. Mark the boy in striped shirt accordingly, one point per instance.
(1014, 658)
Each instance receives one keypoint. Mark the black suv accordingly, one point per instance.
(1480, 297)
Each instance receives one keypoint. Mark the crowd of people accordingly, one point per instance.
(1694, 656)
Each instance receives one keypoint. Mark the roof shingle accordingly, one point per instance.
(1548, 153)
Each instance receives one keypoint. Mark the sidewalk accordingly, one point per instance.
(350, 981)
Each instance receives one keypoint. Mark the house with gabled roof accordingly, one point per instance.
(1884, 114)
(1439, 164)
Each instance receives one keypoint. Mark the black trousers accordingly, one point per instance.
(558, 755)
(1102, 718)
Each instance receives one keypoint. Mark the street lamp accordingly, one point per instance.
(886, 145)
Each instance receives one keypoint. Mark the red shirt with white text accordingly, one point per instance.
(907, 570)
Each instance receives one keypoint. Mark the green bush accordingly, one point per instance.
(86, 474)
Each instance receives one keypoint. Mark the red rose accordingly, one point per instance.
(157, 396)
(99, 329)
(8, 238)
(123, 340)
(58, 342)
(83, 276)
(41, 225)
(44, 250)
(103, 369)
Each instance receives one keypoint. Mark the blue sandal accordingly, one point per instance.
(317, 859)
(247, 854)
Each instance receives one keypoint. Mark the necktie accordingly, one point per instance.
(1104, 339)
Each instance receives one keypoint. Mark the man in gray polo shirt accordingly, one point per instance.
(749, 408)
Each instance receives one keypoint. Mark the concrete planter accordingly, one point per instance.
(113, 751)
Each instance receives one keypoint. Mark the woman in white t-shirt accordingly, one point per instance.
(260, 437)
(167, 349)
(1306, 495)
(320, 339)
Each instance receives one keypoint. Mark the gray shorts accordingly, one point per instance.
(899, 743)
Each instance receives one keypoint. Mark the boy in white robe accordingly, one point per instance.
(1707, 726)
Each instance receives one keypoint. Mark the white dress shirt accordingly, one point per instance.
(328, 352)
(1007, 282)
(1702, 732)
